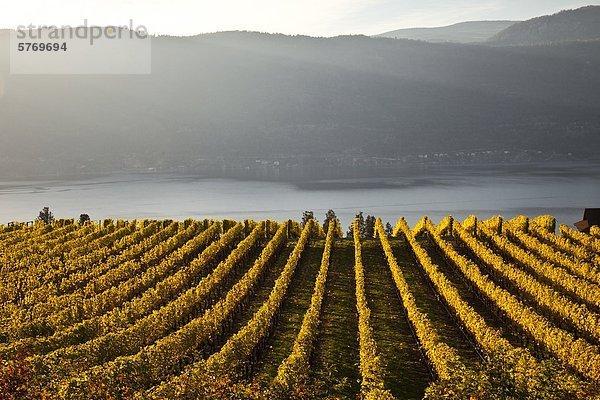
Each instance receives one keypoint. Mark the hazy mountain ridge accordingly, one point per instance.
(568, 25)
(463, 32)
(242, 94)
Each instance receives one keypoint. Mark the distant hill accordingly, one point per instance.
(568, 25)
(242, 94)
(464, 32)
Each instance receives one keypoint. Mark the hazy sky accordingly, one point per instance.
(310, 17)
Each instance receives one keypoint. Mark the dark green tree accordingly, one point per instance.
(361, 226)
(389, 230)
(84, 219)
(307, 216)
(46, 216)
(329, 216)
(369, 231)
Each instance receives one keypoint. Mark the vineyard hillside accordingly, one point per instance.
(223, 309)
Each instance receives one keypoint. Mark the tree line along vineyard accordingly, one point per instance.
(494, 309)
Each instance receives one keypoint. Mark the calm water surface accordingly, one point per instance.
(560, 190)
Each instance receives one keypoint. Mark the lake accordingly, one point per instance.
(560, 189)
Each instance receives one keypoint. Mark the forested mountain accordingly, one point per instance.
(568, 25)
(241, 94)
(463, 32)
